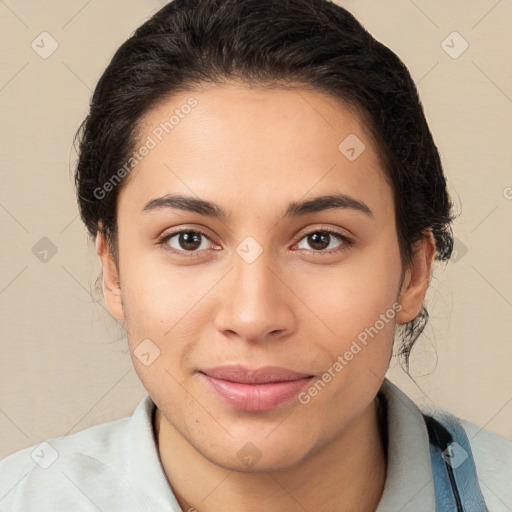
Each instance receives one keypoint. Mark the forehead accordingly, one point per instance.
(260, 145)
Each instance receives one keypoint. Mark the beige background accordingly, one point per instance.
(64, 362)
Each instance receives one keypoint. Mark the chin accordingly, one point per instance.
(263, 465)
(260, 455)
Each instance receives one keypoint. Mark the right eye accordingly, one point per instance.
(185, 241)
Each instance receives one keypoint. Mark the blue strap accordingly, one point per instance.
(455, 478)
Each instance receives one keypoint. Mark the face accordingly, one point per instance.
(275, 278)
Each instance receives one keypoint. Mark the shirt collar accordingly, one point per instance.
(409, 481)
(143, 463)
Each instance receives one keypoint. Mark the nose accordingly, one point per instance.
(257, 305)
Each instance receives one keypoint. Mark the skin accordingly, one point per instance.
(253, 151)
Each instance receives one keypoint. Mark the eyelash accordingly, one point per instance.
(346, 242)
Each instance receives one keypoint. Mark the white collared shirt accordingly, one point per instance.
(115, 467)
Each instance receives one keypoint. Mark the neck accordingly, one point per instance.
(347, 474)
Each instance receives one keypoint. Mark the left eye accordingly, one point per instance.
(322, 240)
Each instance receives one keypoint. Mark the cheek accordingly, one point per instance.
(359, 307)
(167, 304)
(157, 294)
(353, 295)
(356, 300)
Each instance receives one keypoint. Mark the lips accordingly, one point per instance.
(262, 375)
(254, 390)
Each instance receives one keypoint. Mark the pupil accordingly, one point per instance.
(190, 240)
(319, 240)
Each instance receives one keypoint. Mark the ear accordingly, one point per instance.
(110, 284)
(416, 279)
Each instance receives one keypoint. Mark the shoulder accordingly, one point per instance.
(57, 465)
(493, 460)
(106, 467)
(490, 456)
(410, 456)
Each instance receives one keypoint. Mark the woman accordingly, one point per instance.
(267, 203)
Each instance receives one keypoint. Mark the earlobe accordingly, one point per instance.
(110, 280)
(416, 279)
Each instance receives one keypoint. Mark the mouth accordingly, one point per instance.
(254, 390)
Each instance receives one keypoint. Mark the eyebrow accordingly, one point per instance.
(294, 209)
